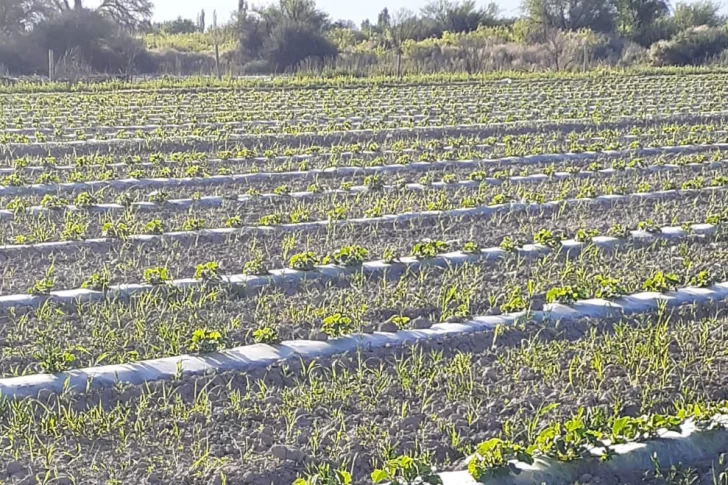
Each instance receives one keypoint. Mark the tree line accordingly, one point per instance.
(289, 34)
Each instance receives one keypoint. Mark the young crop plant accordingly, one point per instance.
(193, 224)
(477, 176)
(325, 475)
(116, 229)
(98, 281)
(509, 244)
(374, 183)
(406, 470)
(255, 267)
(43, 286)
(306, 261)
(546, 238)
(471, 247)
(620, 231)
(159, 196)
(53, 202)
(282, 190)
(492, 459)
(209, 271)
(514, 301)
(206, 341)
(266, 335)
(84, 199)
(154, 227)
(703, 279)
(449, 178)
(390, 256)
(347, 256)
(156, 276)
(661, 282)
(429, 249)
(586, 235)
(125, 199)
(271, 220)
(337, 325)
(571, 440)
(565, 294)
(315, 188)
(608, 288)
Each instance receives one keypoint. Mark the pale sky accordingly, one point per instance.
(337, 9)
(356, 10)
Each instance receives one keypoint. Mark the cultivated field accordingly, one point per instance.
(500, 282)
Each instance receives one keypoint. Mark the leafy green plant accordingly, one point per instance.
(208, 271)
(271, 220)
(193, 224)
(429, 249)
(206, 341)
(544, 237)
(84, 199)
(156, 276)
(44, 285)
(337, 325)
(471, 247)
(306, 261)
(509, 244)
(98, 281)
(565, 294)
(347, 256)
(374, 183)
(325, 475)
(53, 202)
(116, 229)
(661, 282)
(255, 267)
(405, 470)
(154, 226)
(266, 335)
(493, 459)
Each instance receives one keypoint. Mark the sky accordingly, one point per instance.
(356, 10)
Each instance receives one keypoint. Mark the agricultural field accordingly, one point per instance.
(494, 282)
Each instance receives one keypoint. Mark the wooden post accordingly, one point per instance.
(51, 66)
(217, 61)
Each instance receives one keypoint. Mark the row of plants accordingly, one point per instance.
(359, 414)
(372, 204)
(355, 101)
(566, 441)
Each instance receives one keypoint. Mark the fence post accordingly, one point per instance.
(217, 61)
(51, 66)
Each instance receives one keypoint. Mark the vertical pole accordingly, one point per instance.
(51, 66)
(217, 61)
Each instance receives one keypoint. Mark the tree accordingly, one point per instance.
(179, 26)
(20, 15)
(129, 14)
(298, 12)
(597, 15)
(201, 21)
(637, 18)
(384, 21)
(704, 12)
(290, 43)
(459, 15)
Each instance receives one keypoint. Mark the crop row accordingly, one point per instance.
(359, 412)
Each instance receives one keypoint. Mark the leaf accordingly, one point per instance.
(379, 476)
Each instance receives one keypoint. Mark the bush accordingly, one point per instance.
(690, 47)
(290, 44)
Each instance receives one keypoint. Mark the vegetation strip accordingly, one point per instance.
(221, 180)
(484, 212)
(692, 442)
(346, 136)
(258, 356)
